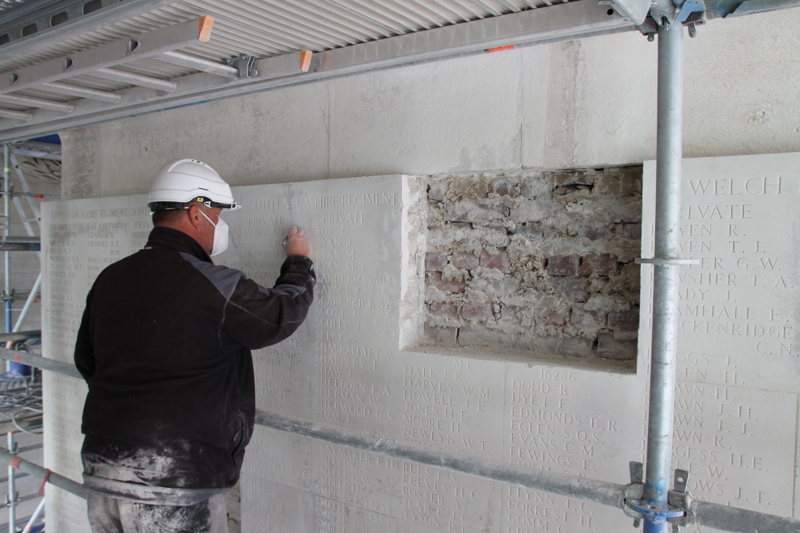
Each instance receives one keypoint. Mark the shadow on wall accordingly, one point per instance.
(535, 264)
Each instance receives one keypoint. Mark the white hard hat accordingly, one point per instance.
(186, 180)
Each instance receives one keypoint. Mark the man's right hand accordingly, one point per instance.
(296, 243)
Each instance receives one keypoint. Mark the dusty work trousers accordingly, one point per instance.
(113, 515)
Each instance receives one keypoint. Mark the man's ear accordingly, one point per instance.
(195, 216)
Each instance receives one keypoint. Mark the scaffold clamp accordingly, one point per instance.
(680, 498)
(639, 509)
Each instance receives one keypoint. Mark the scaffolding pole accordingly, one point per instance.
(663, 365)
(11, 499)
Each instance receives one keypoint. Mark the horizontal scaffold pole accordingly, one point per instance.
(606, 493)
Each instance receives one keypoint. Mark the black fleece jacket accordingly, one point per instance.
(164, 346)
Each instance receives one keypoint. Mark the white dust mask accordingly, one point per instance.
(220, 236)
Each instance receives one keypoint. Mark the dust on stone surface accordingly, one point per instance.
(535, 263)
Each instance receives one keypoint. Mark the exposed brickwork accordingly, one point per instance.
(476, 311)
(563, 265)
(464, 260)
(444, 309)
(434, 279)
(499, 261)
(626, 321)
(599, 264)
(576, 290)
(536, 262)
(595, 234)
(435, 262)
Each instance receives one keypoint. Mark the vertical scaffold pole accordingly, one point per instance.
(666, 274)
(11, 500)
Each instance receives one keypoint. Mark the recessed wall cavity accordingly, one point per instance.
(538, 264)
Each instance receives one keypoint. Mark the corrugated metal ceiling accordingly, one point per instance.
(266, 28)
(40, 94)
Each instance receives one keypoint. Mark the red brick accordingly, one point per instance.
(476, 311)
(499, 261)
(563, 265)
(600, 264)
(435, 261)
(624, 321)
(434, 279)
(464, 260)
(444, 309)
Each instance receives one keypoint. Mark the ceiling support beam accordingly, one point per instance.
(81, 92)
(16, 115)
(197, 63)
(130, 78)
(38, 103)
(109, 55)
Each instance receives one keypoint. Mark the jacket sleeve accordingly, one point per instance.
(257, 316)
(84, 349)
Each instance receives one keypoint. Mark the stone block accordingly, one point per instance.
(435, 219)
(476, 213)
(499, 261)
(496, 288)
(563, 265)
(630, 230)
(476, 311)
(509, 316)
(503, 187)
(626, 279)
(631, 179)
(434, 279)
(577, 290)
(464, 260)
(536, 187)
(437, 190)
(625, 321)
(628, 210)
(599, 264)
(444, 310)
(575, 179)
(610, 348)
(587, 320)
(595, 234)
(619, 182)
(532, 233)
(491, 236)
(555, 318)
(435, 261)
(534, 210)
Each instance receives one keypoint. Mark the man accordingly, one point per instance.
(164, 346)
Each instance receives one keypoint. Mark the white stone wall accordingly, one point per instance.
(578, 104)
(585, 103)
(349, 365)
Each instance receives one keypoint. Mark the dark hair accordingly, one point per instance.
(166, 217)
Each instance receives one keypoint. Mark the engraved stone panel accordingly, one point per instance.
(79, 238)
(348, 365)
(736, 402)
